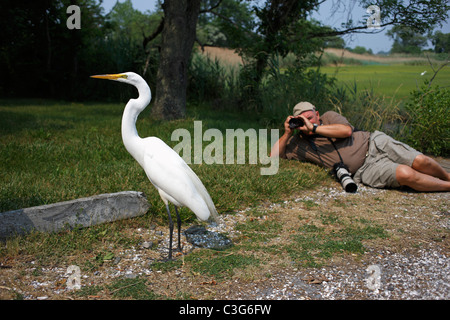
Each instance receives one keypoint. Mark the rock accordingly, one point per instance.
(82, 212)
(200, 237)
(147, 244)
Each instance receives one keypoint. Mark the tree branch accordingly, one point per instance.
(234, 24)
(212, 8)
(435, 71)
(154, 34)
(349, 30)
(202, 45)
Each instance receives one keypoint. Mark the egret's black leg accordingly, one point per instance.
(179, 229)
(170, 230)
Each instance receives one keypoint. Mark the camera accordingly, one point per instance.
(296, 123)
(342, 174)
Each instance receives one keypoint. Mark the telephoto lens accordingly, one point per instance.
(344, 177)
(296, 123)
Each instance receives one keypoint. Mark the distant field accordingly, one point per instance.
(389, 80)
(366, 58)
(388, 75)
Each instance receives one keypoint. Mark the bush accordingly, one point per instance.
(428, 127)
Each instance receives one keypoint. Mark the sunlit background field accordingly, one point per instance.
(397, 80)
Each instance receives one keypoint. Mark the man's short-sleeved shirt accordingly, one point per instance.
(353, 149)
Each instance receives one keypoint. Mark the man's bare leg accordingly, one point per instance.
(430, 167)
(419, 181)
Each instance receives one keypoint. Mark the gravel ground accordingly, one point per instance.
(422, 276)
(407, 272)
(412, 264)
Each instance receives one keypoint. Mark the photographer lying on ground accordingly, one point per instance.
(374, 159)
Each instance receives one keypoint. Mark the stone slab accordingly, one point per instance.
(82, 212)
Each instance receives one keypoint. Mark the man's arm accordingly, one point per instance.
(334, 130)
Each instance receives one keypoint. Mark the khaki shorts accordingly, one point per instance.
(383, 157)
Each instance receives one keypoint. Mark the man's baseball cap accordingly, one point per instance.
(302, 107)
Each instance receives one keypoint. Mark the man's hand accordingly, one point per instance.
(279, 148)
(287, 129)
(308, 127)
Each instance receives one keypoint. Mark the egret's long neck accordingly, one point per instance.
(134, 107)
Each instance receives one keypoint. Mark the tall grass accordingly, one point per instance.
(285, 84)
(369, 111)
(235, 89)
(213, 82)
(284, 88)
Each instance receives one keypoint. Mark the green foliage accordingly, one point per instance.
(421, 16)
(406, 40)
(441, 42)
(360, 50)
(428, 128)
(236, 88)
(41, 57)
(229, 27)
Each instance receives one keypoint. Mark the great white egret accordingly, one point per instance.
(166, 170)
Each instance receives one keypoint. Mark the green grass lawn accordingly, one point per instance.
(389, 80)
(53, 151)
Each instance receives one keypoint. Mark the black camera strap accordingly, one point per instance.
(339, 170)
(314, 147)
(339, 154)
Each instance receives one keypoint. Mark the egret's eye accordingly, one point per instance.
(123, 76)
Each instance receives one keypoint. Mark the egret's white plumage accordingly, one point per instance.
(166, 170)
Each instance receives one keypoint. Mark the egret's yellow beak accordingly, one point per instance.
(110, 76)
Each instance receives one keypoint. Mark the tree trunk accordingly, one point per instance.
(178, 35)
